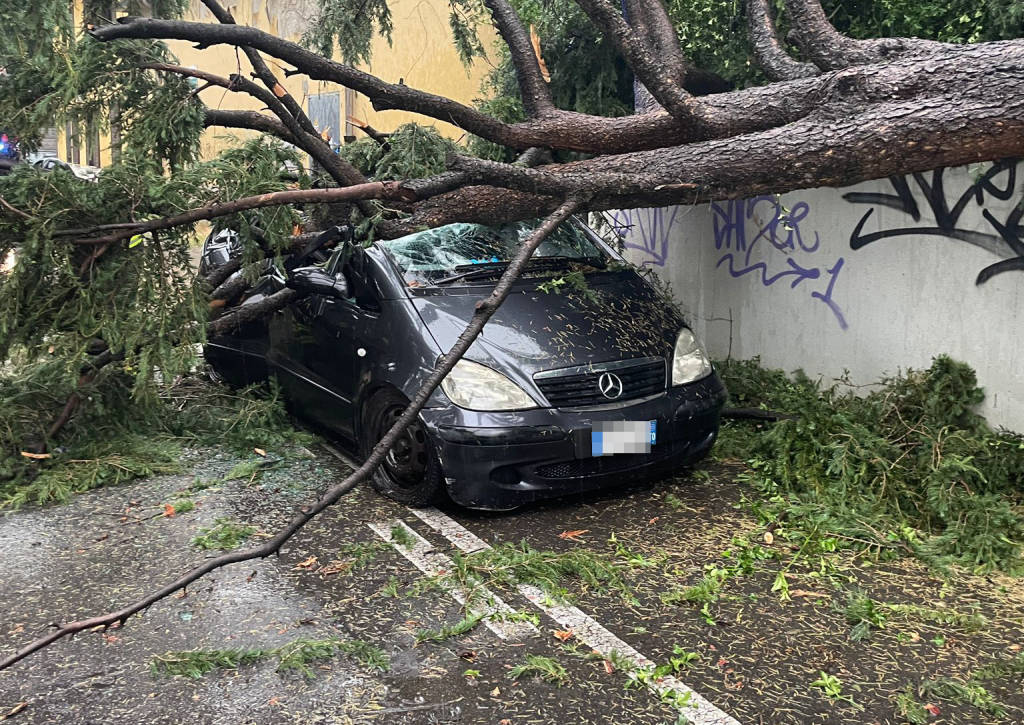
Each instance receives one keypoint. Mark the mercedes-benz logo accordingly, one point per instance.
(610, 385)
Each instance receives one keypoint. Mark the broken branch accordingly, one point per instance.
(485, 308)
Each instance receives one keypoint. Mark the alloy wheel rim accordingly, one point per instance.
(406, 462)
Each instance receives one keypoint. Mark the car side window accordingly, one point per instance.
(353, 265)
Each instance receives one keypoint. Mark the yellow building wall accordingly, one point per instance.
(422, 55)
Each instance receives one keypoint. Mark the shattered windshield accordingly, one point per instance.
(450, 250)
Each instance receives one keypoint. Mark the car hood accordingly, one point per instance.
(615, 316)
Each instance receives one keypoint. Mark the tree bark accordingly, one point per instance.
(771, 56)
(721, 115)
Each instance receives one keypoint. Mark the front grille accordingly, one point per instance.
(578, 387)
(581, 467)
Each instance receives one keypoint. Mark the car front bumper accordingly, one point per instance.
(500, 461)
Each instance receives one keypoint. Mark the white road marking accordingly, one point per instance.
(585, 627)
(432, 562)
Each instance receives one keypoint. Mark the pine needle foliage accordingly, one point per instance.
(412, 151)
(910, 463)
(114, 439)
(224, 535)
(447, 631)
(543, 667)
(296, 656)
(138, 298)
(509, 564)
(196, 663)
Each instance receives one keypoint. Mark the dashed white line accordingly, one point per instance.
(424, 557)
(585, 627)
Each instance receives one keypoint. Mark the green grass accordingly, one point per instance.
(224, 535)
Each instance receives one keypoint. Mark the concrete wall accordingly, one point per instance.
(870, 279)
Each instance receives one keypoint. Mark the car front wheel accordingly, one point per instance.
(411, 472)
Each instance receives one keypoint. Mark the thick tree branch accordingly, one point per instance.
(485, 308)
(773, 59)
(263, 72)
(290, 113)
(343, 173)
(725, 114)
(666, 91)
(242, 314)
(849, 145)
(371, 190)
(534, 91)
(653, 26)
(383, 96)
(340, 170)
(252, 120)
(651, 22)
(829, 49)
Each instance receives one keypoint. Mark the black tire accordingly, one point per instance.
(411, 472)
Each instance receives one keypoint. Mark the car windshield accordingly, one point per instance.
(451, 250)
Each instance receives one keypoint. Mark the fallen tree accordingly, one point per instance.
(848, 110)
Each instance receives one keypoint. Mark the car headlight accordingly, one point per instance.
(477, 387)
(689, 362)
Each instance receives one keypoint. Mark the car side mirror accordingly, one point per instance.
(314, 280)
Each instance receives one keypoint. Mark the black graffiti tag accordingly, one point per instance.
(1006, 240)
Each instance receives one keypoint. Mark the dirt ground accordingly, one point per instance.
(752, 650)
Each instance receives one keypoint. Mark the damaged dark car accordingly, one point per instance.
(586, 377)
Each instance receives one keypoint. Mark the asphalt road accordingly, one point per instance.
(753, 656)
(109, 546)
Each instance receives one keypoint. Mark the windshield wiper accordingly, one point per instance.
(474, 271)
(489, 269)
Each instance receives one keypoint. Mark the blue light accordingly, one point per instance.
(3, 146)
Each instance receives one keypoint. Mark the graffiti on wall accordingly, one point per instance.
(762, 238)
(645, 230)
(1004, 238)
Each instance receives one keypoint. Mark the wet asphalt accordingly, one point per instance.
(755, 654)
(108, 547)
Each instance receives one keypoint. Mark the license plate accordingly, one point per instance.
(608, 438)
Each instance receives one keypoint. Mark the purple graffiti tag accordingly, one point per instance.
(799, 273)
(647, 231)
(827, 297)
(770, 250)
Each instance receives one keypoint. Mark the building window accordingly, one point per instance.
(350, 112)
(325, 113)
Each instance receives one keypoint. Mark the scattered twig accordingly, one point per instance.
(7, 205)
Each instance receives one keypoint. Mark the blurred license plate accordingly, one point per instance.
(623, 436)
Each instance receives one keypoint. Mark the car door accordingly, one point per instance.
(342, 340)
